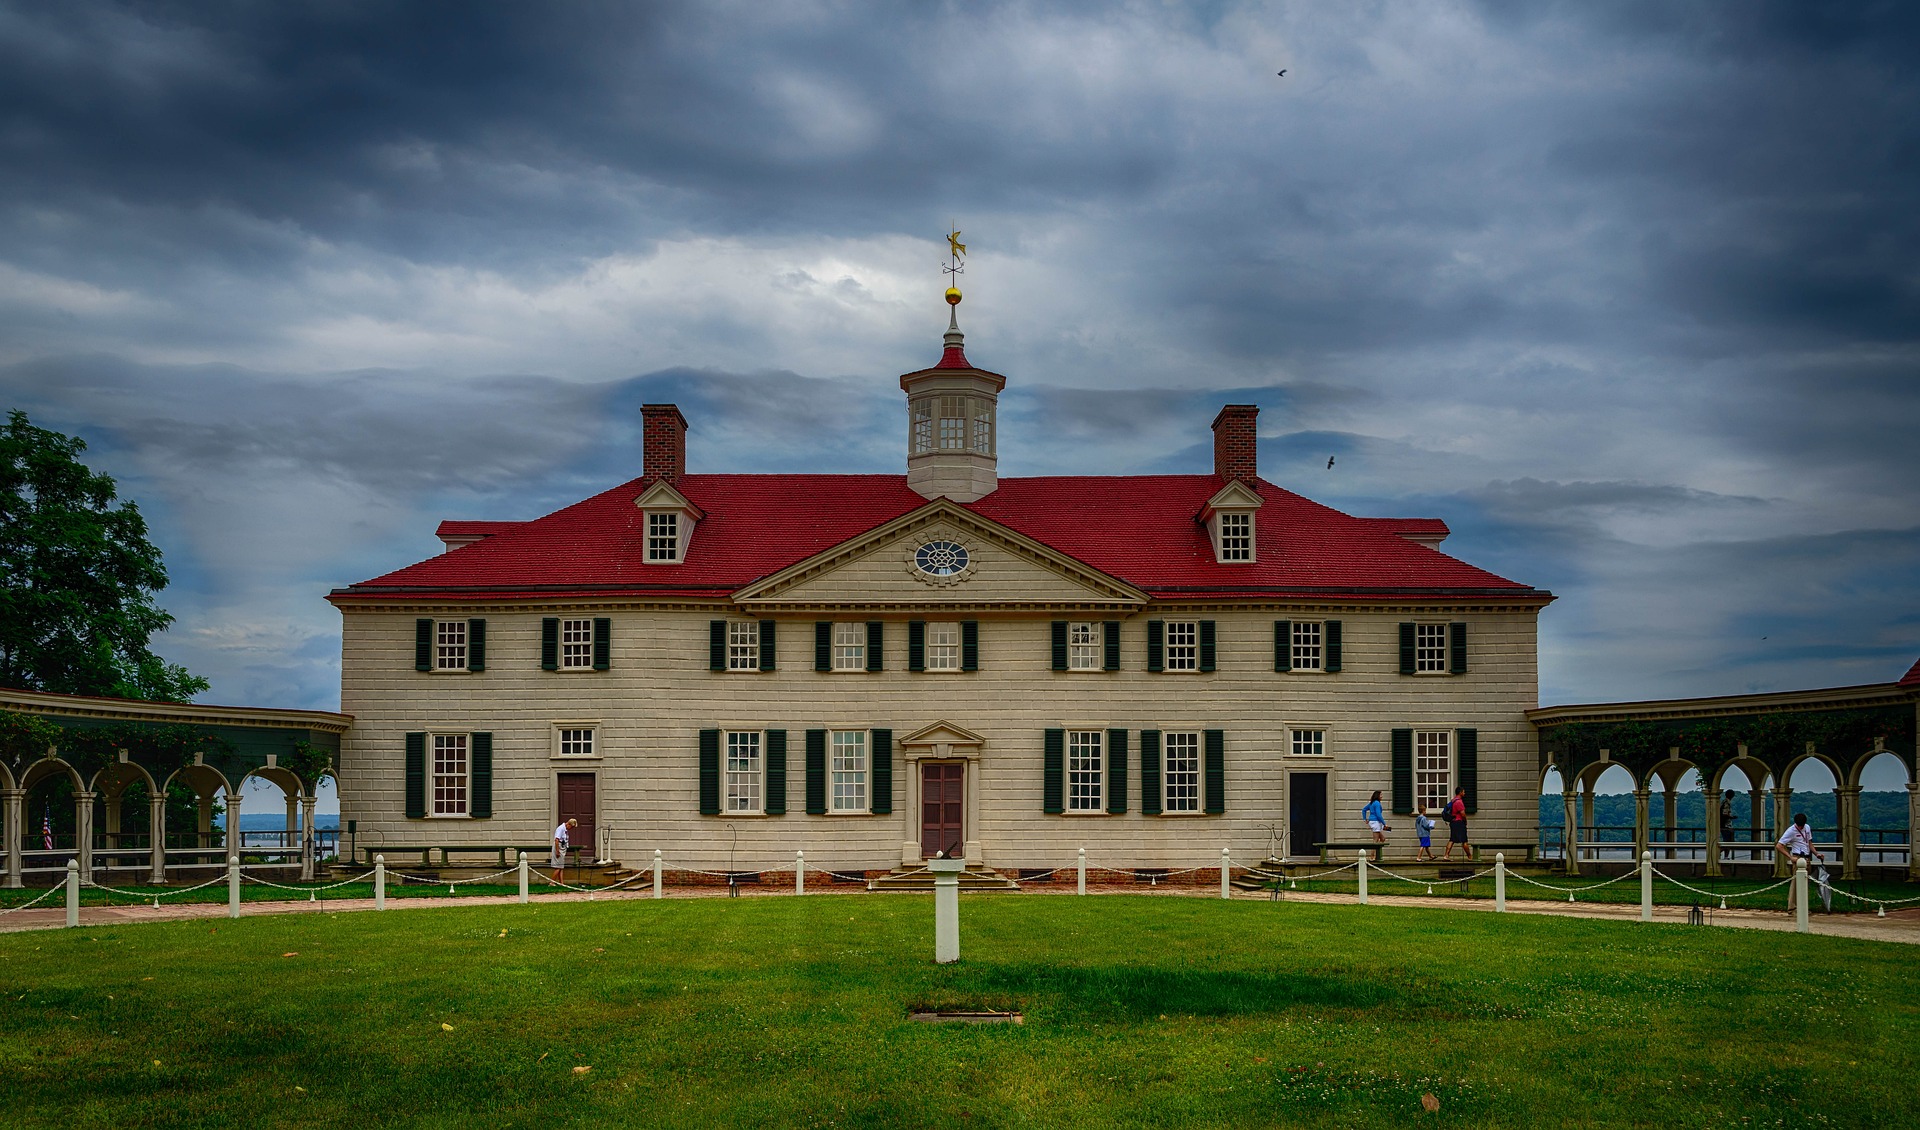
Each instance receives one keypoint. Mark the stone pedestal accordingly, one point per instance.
(946, 908)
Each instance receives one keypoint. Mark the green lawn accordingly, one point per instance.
(1140, 1011)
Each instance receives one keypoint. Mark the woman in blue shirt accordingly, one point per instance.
(1376, 820)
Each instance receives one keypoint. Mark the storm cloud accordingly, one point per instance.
(1624, 292)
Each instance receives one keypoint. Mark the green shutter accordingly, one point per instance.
(709, 772)
(916, 645)
(417, 774)
(423, 645)
(1156, 644)
(1150, 772)
(1059, 645)
(480, 765)
(1111, 630)
(1467, 773)
(477, 645)
(816, 772)
(1216, 771)
(1331, 634)
(1283, 645)
(876, 646)
(1406, 649)
(602, 643)
(1116, 771)
(969, 645)
(550, 643)
(881, 759)
(1053, 769)
(716, 645)
(823, 645)
(769, 645)
(776, 772)
(1403, 772)
(1206, 645)
(1457, 637)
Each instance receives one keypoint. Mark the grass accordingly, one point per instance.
(1140, 1011)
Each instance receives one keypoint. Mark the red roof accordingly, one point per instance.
(1912, 677)
(1141, 529)
(454, 528)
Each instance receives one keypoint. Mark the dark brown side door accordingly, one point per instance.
(577, 803)
(942, 799)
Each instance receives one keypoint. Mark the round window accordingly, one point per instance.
(941, 558)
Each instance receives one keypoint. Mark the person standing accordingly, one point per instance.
(1376, 821)
(562, 840)
(1423, 824)
(1797, 843)
(1457, 823)
(1726, 824)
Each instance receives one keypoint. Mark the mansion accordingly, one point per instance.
(730, 668)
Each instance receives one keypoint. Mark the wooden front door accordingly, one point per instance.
(1306, 814)
(943, 797)
(577, 803)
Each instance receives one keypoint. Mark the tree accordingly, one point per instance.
(77, 577)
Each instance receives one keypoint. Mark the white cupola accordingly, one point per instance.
(951, 422)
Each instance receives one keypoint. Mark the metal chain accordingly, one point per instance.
(42, 897)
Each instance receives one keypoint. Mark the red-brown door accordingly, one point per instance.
(942, 798)
(577, 803)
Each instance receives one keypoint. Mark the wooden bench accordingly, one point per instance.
(1344, 852)
(536, 853)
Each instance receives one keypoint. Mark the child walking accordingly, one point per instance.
(1423, 824)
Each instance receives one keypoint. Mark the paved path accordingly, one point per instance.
(1898, 926)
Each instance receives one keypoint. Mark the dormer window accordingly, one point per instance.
(668, 524)
(1229, 518)
(663, 537)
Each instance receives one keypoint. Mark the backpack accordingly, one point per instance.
(1457, 811)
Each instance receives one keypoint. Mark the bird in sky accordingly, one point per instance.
(1329, 462)
(1283, 74)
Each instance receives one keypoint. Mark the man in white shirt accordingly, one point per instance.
(562, 840)
(1797, 843)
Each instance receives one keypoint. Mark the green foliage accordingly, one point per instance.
(25, 739)
(1775, 738)
(308, 762)
(77, 577)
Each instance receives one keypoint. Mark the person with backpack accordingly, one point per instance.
(1457, 823)
(1376, 820)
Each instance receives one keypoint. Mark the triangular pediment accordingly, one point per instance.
(1236, 495)
(942, 733)
(663, 496)
(881, 570)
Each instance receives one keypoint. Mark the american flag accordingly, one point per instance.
(46, 828)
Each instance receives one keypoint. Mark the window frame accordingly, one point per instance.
(1445, 778)
(1293, 741)
(859, 806)
(434, 776)
(742, 655)
(560, 728)
(855, 657)
(585, 643)
(1309, 658)
(1095, 646)
(675, 539)
(929, 644)
(1436, 654)
(1236, 545)
(1167, 646)
(754, 777)
(441, 647)
(1081, 803)
(1199, 773)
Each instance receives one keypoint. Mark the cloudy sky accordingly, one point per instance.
(1627, 293)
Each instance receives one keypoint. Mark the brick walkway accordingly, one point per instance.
(1898, 926)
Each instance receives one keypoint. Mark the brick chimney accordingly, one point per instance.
(1233, 440)
(664, 442)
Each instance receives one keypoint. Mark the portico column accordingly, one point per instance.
(12, 807)
(83, 832)
(1782, 816)
(1586, 808)
(204, 826)
(1849, 806)
(1710, 812)
(1673, 820)
(1913, 827)
(233, 824)
(1759, 820)
(111, 801)
(1569, 856)
(1642, 820)
(307, 843)
(157, 828)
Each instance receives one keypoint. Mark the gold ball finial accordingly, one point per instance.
(953, 296)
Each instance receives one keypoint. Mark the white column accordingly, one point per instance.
(656, 872)
(233, 822)
(523, 876)
(799, 872)
(1913, 832)
(307, 843)
(12, 809)
(1226, 872)
(1782, 819)
(1642, 821)
(1799, 893)
(1083, 871)
(73, 893)
(1570, 854)
(1500, 882)
(946, 908)
(1848, 797)
(1363, 876)
(233, 886)
(379, 882)
(157, 826)
(1646, 886)
(83, 831)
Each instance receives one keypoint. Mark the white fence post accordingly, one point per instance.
(799, 872)
(656, 872)
(946, 909)
(233, 886)
(73, 893)
(1226, 871)
(379, 882)
(1083, 871)
(1500, 882)
(1646, 886)
(1363, 876)
(1800, 893)
(523, 876)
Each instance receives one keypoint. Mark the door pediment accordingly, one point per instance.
(942, 739)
